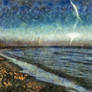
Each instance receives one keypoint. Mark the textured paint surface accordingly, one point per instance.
(45, 20)
(49, 23)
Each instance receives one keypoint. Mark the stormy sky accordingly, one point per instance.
(45, 19)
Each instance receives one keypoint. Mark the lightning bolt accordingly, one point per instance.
(76, 10)
(77, 21)
(73, 36)
(71, 40)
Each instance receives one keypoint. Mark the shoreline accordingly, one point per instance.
(52, 46)
(50, 86)
(77, 80)
(22, 81)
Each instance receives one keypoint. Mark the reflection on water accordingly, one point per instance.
(76, 62)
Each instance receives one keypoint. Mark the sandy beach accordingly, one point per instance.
(11, 80)
(45, 70)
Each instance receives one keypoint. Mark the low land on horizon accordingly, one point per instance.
(45, 43)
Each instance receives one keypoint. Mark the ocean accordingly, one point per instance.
(71, 65)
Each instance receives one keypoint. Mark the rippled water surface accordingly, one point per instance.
(75, 62)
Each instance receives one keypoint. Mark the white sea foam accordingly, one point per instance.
(45, 76)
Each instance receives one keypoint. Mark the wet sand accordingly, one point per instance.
(11, 80)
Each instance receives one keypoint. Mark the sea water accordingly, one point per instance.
(74, 62)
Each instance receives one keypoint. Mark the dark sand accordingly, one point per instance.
(11, 80)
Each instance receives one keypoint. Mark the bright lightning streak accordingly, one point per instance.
(75, 25)
(72, 36)
(76, 9)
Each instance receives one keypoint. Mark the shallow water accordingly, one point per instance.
(75, 62)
